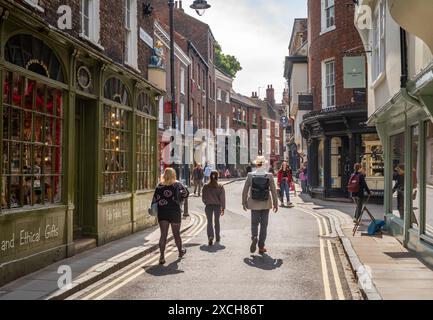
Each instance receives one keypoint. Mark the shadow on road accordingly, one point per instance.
(212, 249)
(161, 271)
(264, 262)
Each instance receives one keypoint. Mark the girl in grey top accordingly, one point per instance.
(213, 197)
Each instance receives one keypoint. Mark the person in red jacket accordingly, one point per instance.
(285, 179)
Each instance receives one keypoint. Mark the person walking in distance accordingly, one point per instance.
(358, 186)
(207, 172)
(285, 179)
(215, 200)
(256, 196)
(168, 195)
(197, 178)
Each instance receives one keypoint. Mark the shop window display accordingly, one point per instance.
(32, 138)
(429, 179)
(116, 150)
(146, 121)
(373, 162)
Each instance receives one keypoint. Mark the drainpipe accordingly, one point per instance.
(404, 63)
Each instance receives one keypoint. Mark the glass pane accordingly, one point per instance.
(397, 154)
(336, 163)
(429, 179)
(415, 178)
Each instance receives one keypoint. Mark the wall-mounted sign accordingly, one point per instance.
(360, 95)
(146, 37)
(305, 102)
(354, 72)
(284, 121)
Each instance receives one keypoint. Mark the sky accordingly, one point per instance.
(257, 32)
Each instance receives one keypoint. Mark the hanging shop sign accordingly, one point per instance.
(360, 95)
(305, 102)
(284, 121)
(354, 72)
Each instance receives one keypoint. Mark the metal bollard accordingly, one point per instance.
(185, 208)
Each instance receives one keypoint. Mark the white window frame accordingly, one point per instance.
(161, 113)
(268, 124)
(327, 6)
(228, 123)
(277, 130)
(219, 94)
(182, 118)
(35, 4)
(228, 97)
(220, 121)
(131, 33)
(182, 80)
(328, 84)
(378, 39)
(94, 22)
(277, 147)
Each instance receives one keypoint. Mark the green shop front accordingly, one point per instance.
(78, 148)
(405, 125)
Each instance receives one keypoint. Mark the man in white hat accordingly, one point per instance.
(256, 196)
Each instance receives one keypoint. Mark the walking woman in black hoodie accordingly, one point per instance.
(168, 195)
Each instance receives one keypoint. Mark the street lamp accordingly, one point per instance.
(200, 7)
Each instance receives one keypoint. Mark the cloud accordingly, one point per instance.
(257, 32)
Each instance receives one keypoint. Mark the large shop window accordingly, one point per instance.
(116, 138)
(336, 145)
(146, 146)
(416, 196)
(398, 154)
(32, 143)
(373, 160)
(429, 179)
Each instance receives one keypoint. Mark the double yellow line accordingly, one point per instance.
(140, 266)
(323, 230)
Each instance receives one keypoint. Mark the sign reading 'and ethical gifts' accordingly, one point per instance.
(354, 72)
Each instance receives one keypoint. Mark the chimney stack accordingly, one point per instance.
(270, 94)
(180, 6)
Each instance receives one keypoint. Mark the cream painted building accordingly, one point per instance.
(398, 44)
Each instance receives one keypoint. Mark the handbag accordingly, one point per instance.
(153, 210)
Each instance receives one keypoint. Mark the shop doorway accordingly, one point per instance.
(84, 171)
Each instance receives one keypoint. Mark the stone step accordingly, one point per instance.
(84, 244)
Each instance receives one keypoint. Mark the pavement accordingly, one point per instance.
(313, 255)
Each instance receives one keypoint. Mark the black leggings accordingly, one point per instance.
(175, 228)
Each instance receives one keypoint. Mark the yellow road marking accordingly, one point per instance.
(326, 285)
(137, 271)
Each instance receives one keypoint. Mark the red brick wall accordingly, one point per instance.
(332, 44)
(111, 31)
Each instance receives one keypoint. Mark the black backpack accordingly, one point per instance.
(260, 188)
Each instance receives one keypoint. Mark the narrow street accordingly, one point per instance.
(300, 264)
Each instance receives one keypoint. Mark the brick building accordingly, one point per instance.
(336, 131)
(79, 128)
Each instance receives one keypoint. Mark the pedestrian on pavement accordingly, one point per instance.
(207, 172)
(256, 196)
(215, 200)
(197, 178)
(358, 186)
(285, 180)
(168, 195)
(227, 174)
(399, 188)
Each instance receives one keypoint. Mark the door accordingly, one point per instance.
(78, 213)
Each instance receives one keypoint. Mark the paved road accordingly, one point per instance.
(300, 263)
